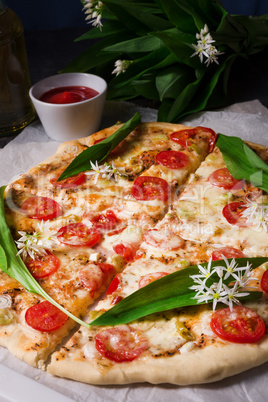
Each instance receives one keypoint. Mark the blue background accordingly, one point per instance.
(59, 14)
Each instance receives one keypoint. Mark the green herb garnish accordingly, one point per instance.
(174, 291)
(13, 266)
(100, 151)
(242, 162)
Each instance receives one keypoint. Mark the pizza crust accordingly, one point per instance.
(210, 364)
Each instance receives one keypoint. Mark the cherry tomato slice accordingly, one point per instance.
(114, 285)
(227, 252)
(45, 317)
(78, 234)
(93, 276)
(103, 222)
(127, 251)
(149, 278)
(163, 239)
(242, 325)
(70, 182)
(172, 159)
(264, 282)
(232, 213)
(41, 208)
(120, 344)
(183, 137)
(43, 266)
(150, 188)
(223, 178)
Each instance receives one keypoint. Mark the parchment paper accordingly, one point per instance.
(249, 121)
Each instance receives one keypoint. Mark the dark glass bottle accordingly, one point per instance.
(16, 109)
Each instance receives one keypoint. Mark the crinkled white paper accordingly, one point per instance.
(249, 121)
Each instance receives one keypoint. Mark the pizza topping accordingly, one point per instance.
(227, 252)
(172, 159)
(241, 325)
(120, 344)
(70, 182)
(221, 290)
(163, 239)
(256, 214)
(5, 301)
(101, 221)
(45, 317)
(6, 316)
(92, 277)
(264, 282)
(150, 188)
(233, 213)
(126, 250)
(106, 171)
(43, 266)
(145, 280)
(185, 137)
(114, 285)
(38, 243)
(223, 178)
(42, 208)
(78, 234)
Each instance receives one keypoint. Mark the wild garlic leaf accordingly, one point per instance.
(100, 151)
(171, 291)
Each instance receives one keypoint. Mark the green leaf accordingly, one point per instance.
(242, 162)
(13, 266)
(137, 45)
(3, 259)
(171, 81)
(98, 152)
(171, 291)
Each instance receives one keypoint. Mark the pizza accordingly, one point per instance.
(161, 202)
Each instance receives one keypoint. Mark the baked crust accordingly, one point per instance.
(210, 364)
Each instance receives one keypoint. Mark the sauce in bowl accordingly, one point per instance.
(70, 94)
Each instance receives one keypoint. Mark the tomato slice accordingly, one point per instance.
(185, 137)
(45, 317)
(264, 282)
(149, 278)
(223, 178)
(127, 250)
(232, 213)
(227, 252)
(42, 208)
(93, 276)
(150, 188)
(114, 285)
(242, 325)
(120, 344)
(117, 231)
(172, 159)
(43, 266)
(103, 222)
(70, 182)
(78, 234)
(163, 239)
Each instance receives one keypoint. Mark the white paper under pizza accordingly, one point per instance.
(249, 121)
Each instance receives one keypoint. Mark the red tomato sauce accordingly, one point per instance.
(70, 94)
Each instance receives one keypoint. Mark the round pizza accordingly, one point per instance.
(160, 207)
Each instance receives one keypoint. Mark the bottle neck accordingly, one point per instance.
(3, 6)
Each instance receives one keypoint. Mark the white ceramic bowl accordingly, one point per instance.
(64, 122)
